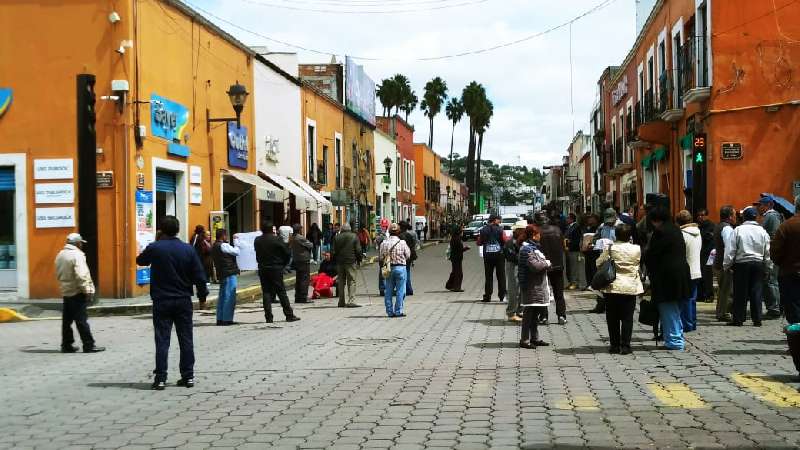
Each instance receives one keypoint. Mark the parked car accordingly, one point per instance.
(472, 229)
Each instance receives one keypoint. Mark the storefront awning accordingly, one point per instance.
(324, 205)
(303, 200)
(264, 191)
(687, 141)
(659, 153)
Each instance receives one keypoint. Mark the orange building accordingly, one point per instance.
(428, 180)
(704, 108)
(156, 71)
(405, 166)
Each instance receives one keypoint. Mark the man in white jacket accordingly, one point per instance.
(694, 243)
(77, 289)
(748, 256)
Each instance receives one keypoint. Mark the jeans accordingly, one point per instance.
(619, 319)
(346, 280)
(166, 312)
(512, 291)
(456, 275)
(75, 311)
(772, 293)
(724, 302)
(689, 307)
(226, 302)
(396, 281)
(790, 297)
(530, 326)
(748, 283)
(494, 263)
(671, 325)
(271, 286)
(302, 280)
(381, 281)
(409, 287)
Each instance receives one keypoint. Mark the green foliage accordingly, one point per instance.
(514, 181)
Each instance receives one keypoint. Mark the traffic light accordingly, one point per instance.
(699, 149)
(699, 171)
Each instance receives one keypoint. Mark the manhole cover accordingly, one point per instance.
(357, 341)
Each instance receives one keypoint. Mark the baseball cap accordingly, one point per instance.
(74, 238)
(394, 227)
(766, 199)
(609, 215)
(750, 213)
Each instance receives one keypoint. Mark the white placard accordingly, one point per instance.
(247, 251)
(52, 169)
(195, 195)
(55, 217)
(195, 175)
(54, 192)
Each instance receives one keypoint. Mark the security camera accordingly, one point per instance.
(114, 17)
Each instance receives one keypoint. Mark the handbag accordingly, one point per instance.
(606, 273)
(648, 313)
(386, 269)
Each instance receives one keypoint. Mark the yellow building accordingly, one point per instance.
(157, 71)
(359, 154)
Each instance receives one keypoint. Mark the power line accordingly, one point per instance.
(603, 4)
(382, 10)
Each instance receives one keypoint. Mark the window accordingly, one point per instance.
(650, 73)
(322, 176)
(398, 169)
(413, 180)
(338, 159)
(701, 43)
(311, 136)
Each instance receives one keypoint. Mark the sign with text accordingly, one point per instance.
(145, 230)
(196, 195)
(55, 217)
(238, 145)
(53, 169)
(105, 179)
(732, 150)
(195, 175)
(168, 119)
(54, 192)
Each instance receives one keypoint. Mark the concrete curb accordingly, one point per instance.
(249, 294)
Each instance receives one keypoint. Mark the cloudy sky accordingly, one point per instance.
(529, 83)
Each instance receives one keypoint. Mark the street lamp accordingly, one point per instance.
(387, 163)
(237, 95)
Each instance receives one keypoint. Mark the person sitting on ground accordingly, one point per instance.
(324, 282)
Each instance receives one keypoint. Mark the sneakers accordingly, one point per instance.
(540, 343)
(543, 321)
(502, 300)
(562, 320)
(292, 319)
(158, 385)
(185, 382)
(527, 345)
(93, 349)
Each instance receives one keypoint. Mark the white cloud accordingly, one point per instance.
(529, 83)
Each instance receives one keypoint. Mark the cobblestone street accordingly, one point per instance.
(449, 375)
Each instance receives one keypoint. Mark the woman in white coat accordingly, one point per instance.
(621, 294)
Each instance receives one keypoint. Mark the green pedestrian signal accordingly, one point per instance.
(698, 158)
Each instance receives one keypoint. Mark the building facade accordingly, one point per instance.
(405, 166)
(385, 176)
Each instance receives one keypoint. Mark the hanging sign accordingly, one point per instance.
(52, 169)
(732, 150)
(55, 217)
(145, 230)
(237, 146)
(54, 192)
(168, 119)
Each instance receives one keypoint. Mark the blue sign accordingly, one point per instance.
(143, 276)
(237, 146)
(178, 149)
(6, 94)
(168, 119)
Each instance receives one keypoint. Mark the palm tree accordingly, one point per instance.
(484, 117)
(401, 93)
(385, 94)
(435, 95)
(409, 102)
(454, 112)
(471, 98)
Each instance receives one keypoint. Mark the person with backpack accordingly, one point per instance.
(395, 253)
(491, 238)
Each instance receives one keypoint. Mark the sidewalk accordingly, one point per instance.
(249, 291)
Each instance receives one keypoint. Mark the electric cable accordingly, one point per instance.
(382, 10)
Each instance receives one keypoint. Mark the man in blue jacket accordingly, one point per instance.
(174, 269)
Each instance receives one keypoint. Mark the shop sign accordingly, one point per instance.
(620, 91)
(145, 233)
(168, 119)
(54, 192)
(267, 195)
(732, 150)
(105, 179)
(195, 175)
(52, 169)
(6, 95)
(237, 146)
(178, 150)
(55, 217)
(196, 195)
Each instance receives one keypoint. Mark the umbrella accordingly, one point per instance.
(782, 205)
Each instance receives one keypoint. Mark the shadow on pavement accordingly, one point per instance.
(134, 386)
(40, 350)
(494, 345)
(762, 341)
(754, 351)
(781, 378)
(494, 322)
(595, 349)
(369, 317)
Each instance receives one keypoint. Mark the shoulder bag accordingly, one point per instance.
(606, 273)
(386, 269)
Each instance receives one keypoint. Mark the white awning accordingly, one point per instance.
(324, 205)
(264, 190)
(303, 200)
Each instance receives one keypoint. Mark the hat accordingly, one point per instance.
(394, 228)
(766, 200)
(749, 213)
(519, 224)
(609, 215)
(75, 238)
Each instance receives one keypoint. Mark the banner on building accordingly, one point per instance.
(168, 119)
(359, 91)
(145, 230)
(237, 145)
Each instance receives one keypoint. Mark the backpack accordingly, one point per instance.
(493, 244)
(386, 268)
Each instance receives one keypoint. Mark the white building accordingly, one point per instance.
(385, 184)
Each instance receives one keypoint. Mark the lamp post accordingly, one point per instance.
(387, 163)
(237, 95)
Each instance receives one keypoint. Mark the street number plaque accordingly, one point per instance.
(105, 179)
(732, 150)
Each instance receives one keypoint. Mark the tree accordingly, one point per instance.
(454, 112)
(484, 113)
(409, 103)
(432, 101)
(395, 94)
(472, 97)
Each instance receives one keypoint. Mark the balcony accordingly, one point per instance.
(649, 112)
(619, 152)
(694, 70)
(671, 96)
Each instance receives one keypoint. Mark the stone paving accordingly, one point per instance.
(450, 375)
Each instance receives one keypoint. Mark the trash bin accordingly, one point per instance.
(793, 339)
